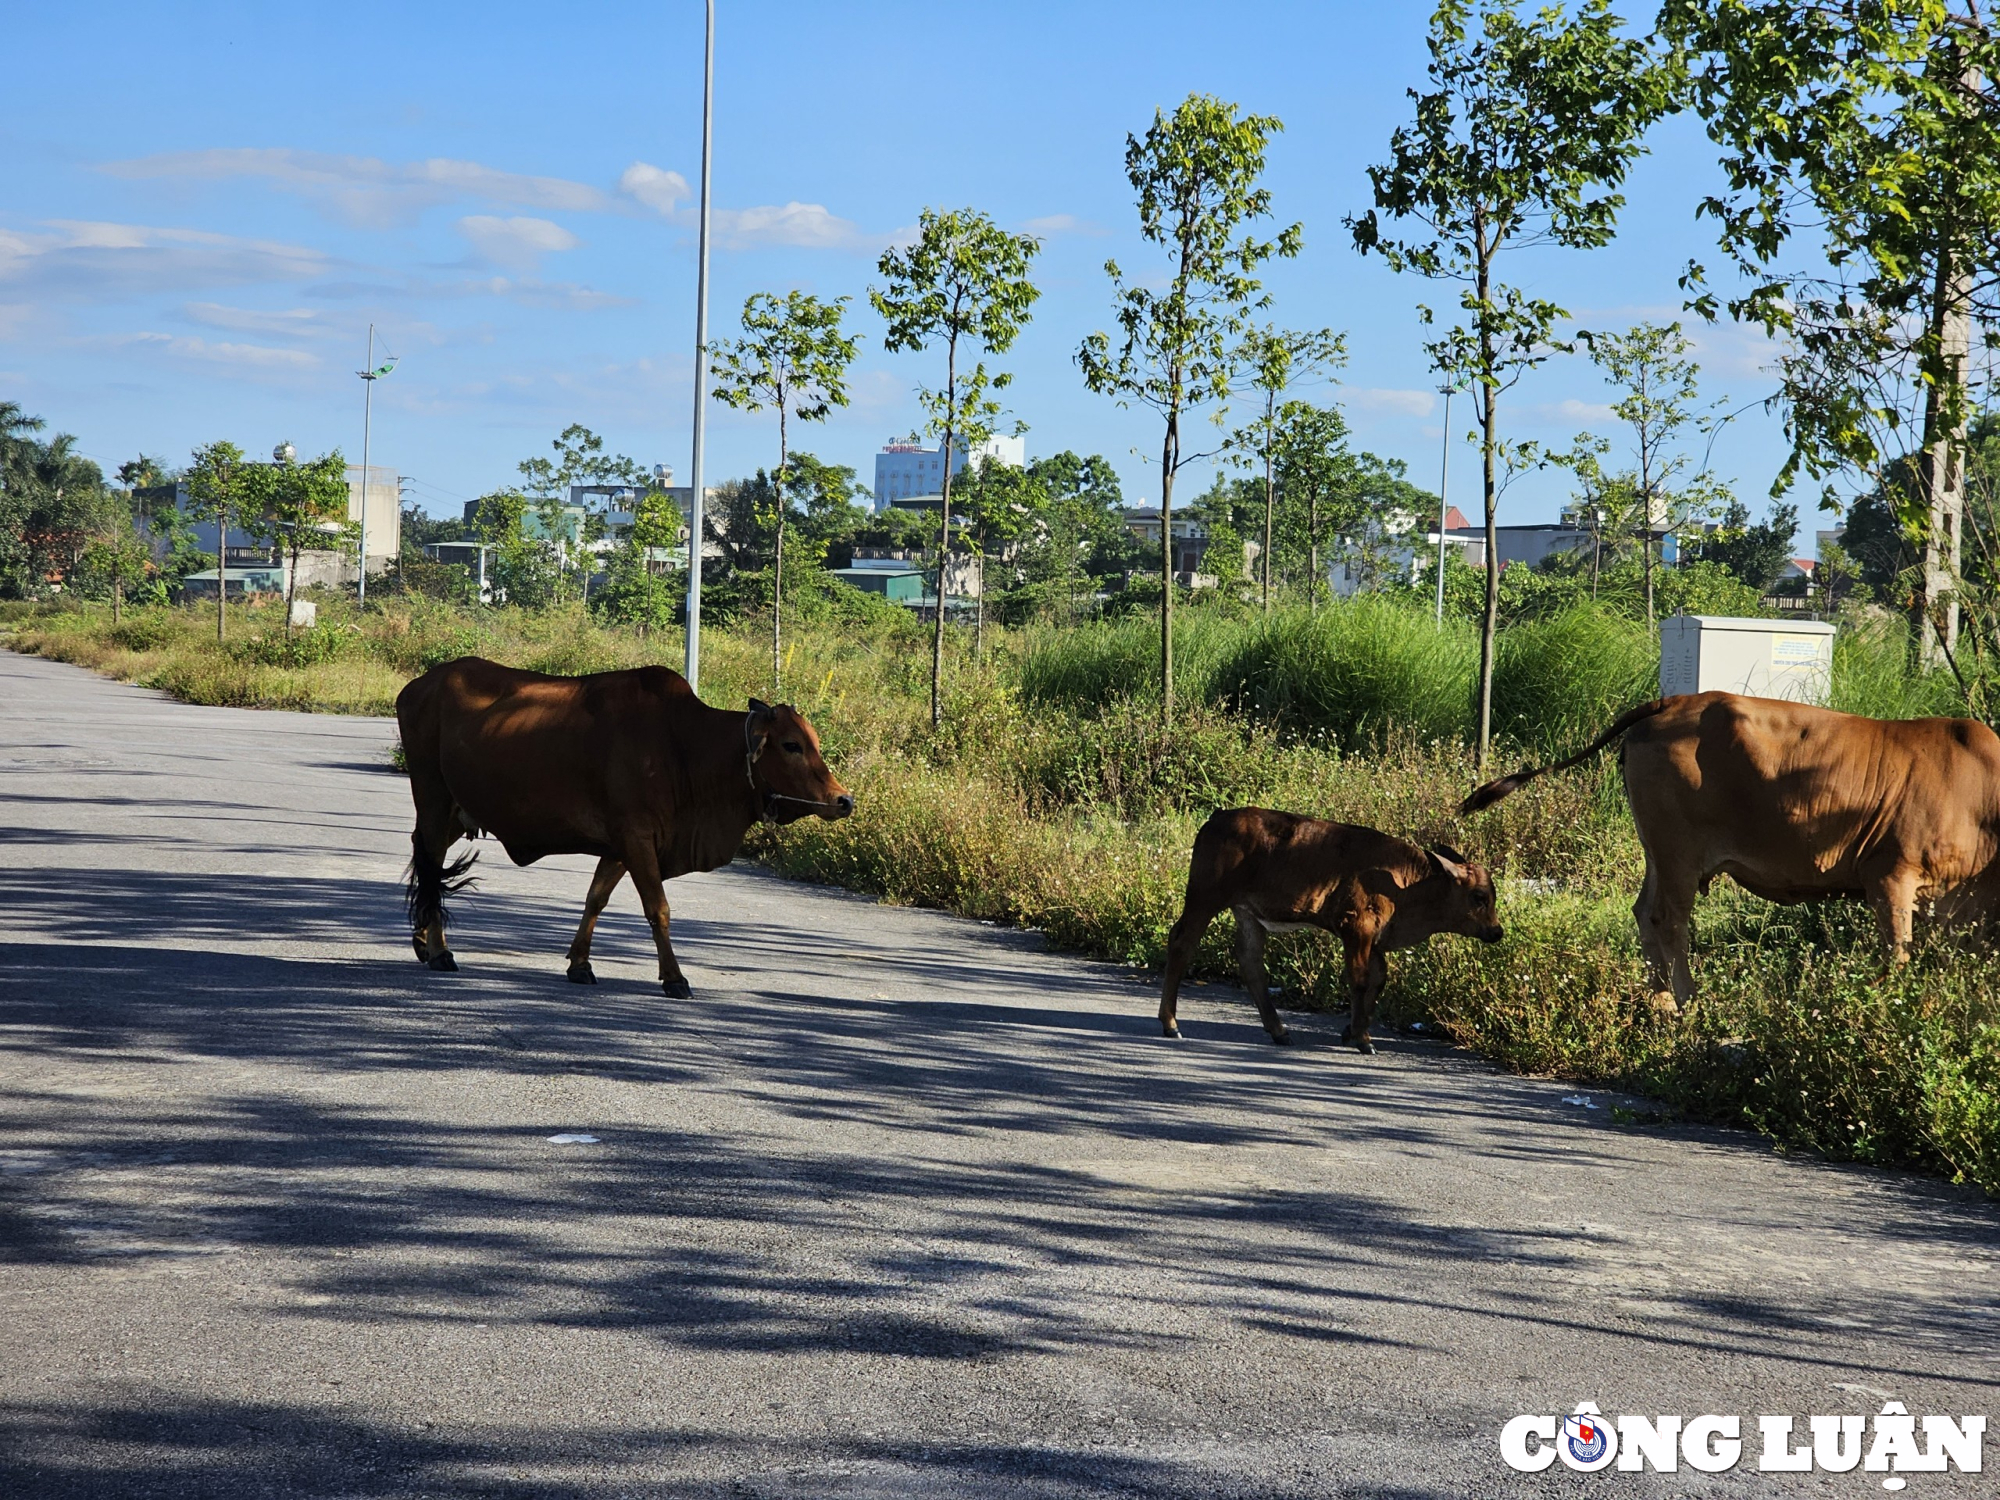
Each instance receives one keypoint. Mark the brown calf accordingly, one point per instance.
(1278, 872)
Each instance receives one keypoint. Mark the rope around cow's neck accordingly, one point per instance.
(766, 796)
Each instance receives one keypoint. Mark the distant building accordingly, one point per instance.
(907, 468)
(250, 546)
(1397, 549)
(1190, 534)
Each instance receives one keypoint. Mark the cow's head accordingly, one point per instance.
(1463, 898)
(791, 780)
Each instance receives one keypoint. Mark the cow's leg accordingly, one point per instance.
(645, 867)
(609, 872)
(1367, 971)
(1182, 940)
(1250, 958)
(431, 879)
(1666, 902)
(1894, 898)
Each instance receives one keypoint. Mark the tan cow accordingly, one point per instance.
(1279, 872)
(628, 766)
(1797, 803)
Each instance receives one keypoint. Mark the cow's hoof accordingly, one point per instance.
(1365, 1047)
(423, 948)
(444, 963)
(1172, 1033)
(676, 989)
(1282, 1038)
(582, 974)
(1347, 1033)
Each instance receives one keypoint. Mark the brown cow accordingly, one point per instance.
(628, 766)
(1279, 872)
(1797, 803)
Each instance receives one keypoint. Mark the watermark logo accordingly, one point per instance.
(1586, 1444)
(1887, 1444)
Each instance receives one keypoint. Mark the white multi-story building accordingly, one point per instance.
(906, 468)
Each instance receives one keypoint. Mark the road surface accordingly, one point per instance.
(897, 1205)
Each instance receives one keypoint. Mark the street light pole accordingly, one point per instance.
(1444, 470)
(367, 373)
(700, 362)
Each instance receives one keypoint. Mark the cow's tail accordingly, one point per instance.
(1485, 796)
(430, 882)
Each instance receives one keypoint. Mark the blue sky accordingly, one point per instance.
(206, 205)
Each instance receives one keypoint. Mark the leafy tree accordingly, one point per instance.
(793, 359)
(1756, 554)
(305, 506)
(1276, 358)
(633, 591)
(580, 459)
(1316, 474)
(964, 280)
(1525, 132)
(116, 554)
(1003, 506)
(1869, 126)
(1196, 173)
(221, 487)
(524, 570)
(1650, 362)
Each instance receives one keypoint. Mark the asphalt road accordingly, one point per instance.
(897, 1205)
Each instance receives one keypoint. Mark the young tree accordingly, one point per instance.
(1523, 135)
(1196, 173)
(634, 592)
(1276, 358)
(1316, 473)
(965, 280)
(580, 459)
(220, 488)
(792, 358)
(116, 552)
(1003, 506)
(1872, 127)
(305, 504)
(1650, 362)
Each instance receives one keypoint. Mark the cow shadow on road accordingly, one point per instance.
(966, 1158)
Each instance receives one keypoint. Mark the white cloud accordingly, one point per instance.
(243, 357)
(365, 189)
(517, 241)
(1054, 224)
(805, 225)
(533, 292)
(92, 261)
(1572, 410)
(655, 187)
(297, 322)
(1401, 403)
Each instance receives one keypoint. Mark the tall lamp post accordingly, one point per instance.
(1444, 472)
(368, 378)
(693, 672)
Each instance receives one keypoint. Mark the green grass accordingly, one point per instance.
(1052, 798)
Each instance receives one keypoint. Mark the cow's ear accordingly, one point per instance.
(1447, 861)
(759, 706)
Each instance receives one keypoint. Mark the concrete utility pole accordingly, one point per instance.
(693, 672)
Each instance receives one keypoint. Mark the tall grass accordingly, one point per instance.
(1089, 666)
(1558, 681)
(1872, 673)
(1361, 672)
